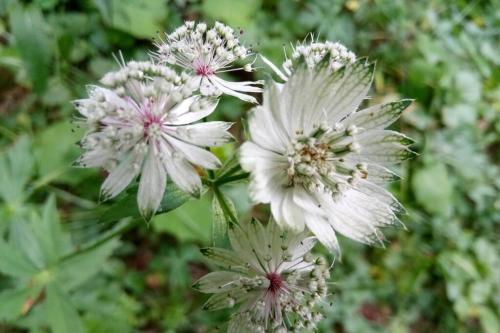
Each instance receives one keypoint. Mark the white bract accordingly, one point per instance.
(312, 53)
(318, 161)
(141, 123)
(205, 53)
(273, 277)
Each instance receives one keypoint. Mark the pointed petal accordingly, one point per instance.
(194, 154)
(228, 91)
(226, 300)
(384, 153)
(252, 156)
(265, 131)
(293, 215)
(244, 249)
(181, 108)
(324, 233)
(217, 282)
(183, 175)
(119, 178)
(378, 116)
(241, 86)
(152, 185)
(274, 68)
(183, 117)
(213, 133)
(224, 258)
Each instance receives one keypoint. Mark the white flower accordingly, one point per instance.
(205, 53)
(312, 53)
(318, 162)
(271, 274)
(142, 124)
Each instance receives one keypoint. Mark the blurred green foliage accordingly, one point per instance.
(441, 275)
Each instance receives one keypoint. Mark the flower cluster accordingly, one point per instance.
(141, 122)
(205, 53)
(312, 53)
(270, 273)
(318, 161)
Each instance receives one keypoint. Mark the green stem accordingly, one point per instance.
(225, 206)
(230, 171)
(126, 227)
(234, 178)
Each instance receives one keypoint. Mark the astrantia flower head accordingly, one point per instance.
(141, 123)
(312, 53)
(273, 277)
(205, 53)
(318, 161)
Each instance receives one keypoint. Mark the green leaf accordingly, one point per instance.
(25, 238)
(220, 222)
(57, 93)
(191, 222)
(221, 218)
(127, 205)
(16, 167)
(433, 188)
(459, 114)
(489, 320)
(78, 269)
(14, 263)
(236, 13)
(139, 18)
(61, 314)
(55, 151)
(11, 303)
(29, 30)
(468, 86)
(53, 242)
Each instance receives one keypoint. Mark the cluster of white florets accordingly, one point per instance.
(140, 122)
(145, 121)
(316, 160)
(201, 50)
(279, 285)
(299, 300)
(205, 54)
(313, 53)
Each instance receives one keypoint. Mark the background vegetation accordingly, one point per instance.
(441, 275)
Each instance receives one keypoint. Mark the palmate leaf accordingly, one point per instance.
(16, 167)
(40, 238)
(61, 314)
(127, 205)
(14, 263)
(80, 268)
(29, 30)
(12, 302)
(38, 255)
(54, 152)
(141, 19)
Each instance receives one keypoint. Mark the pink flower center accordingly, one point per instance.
(201, 68)
(150, 119)
(275, 282)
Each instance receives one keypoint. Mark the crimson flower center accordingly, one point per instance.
(275, 282)
(151, 122)
(202, 68)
